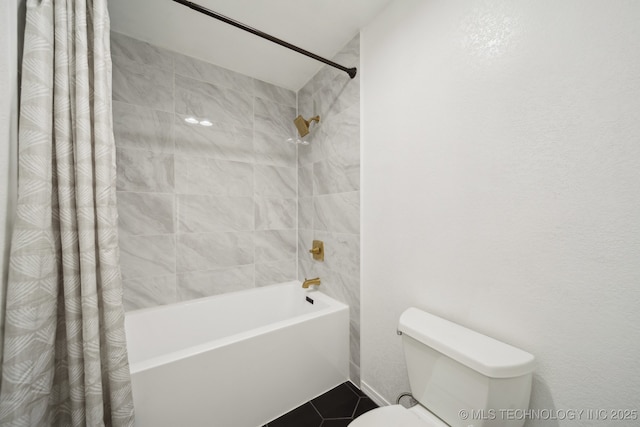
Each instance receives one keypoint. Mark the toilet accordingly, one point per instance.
(459, 377)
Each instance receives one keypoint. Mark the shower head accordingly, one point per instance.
(303, 125)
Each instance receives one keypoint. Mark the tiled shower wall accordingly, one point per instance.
(203, 210)
(329, 187)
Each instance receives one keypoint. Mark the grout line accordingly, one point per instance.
(145, 107)
(298, 276)
(149, 277)
(217, 84)
(176, 204)
(316, 409)
(356, 407)
(352, 390)
(255, 204)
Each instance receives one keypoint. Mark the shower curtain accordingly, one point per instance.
(65, 359)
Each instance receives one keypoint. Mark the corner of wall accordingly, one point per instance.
(329, 186)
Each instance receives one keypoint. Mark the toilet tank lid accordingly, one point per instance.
(481, 353)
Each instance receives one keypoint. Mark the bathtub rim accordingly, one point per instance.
(333, 306)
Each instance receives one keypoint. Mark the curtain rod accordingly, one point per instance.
(351, 71)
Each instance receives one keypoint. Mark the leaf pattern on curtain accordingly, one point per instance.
(65, 358)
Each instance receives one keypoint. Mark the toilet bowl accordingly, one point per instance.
(452, 371)
(398, 416)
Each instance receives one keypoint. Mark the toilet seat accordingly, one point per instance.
(396, 416)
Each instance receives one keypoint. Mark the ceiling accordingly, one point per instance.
(320, 26)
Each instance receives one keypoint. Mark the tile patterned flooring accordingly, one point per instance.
(336, 408)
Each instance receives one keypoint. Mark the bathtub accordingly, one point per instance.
(235, 360)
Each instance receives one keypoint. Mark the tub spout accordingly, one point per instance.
(310, 282)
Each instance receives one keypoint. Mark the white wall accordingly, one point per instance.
(9, 42)
(501, 172)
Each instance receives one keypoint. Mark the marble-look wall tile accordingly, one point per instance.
(307, 91)
(319, 150)
(338, 96)
(306, 104)
(274, 118)
(305, 242)
(275, 93)
(308, 268)
(354, 344)
(274, 181)
(342, 252)
(210, 251)
(328, 188)
(354, 373)
(147, 256)
(205, 176)
(340, 137)
(140, 52)
(275, 245)
(145, 213)
(143, 128)
(144, 171)
(275, 214)
(275, 272)
(337, 212)
(149, 292)
(204, 71)
(327, 77)
(204, 214)
(306, 154)
(200, 284)
(220, 140)
(350, 53)
(334, 175)
(203, 210)
(272, 149)
(305, 181)
(139, 84)
(347, 289)
(305, 213)
(207, 101)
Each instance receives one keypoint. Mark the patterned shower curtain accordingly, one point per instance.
(65, 359)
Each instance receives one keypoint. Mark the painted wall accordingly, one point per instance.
(329, 187)
(501, 167)
(11, 28)
(203, 210)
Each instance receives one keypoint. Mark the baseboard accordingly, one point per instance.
(374, 395)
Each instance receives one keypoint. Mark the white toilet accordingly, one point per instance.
(460, 378)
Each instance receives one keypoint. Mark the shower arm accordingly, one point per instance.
(351, 71)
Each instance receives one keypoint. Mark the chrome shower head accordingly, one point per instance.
(303, 125)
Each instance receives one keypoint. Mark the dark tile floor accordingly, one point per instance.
(336, 408)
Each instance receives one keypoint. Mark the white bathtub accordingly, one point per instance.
(235, 360)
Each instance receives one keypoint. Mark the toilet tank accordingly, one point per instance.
(462, 376)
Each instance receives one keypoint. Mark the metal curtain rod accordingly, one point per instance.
(351, 71)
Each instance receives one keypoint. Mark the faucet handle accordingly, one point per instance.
(317, 250)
